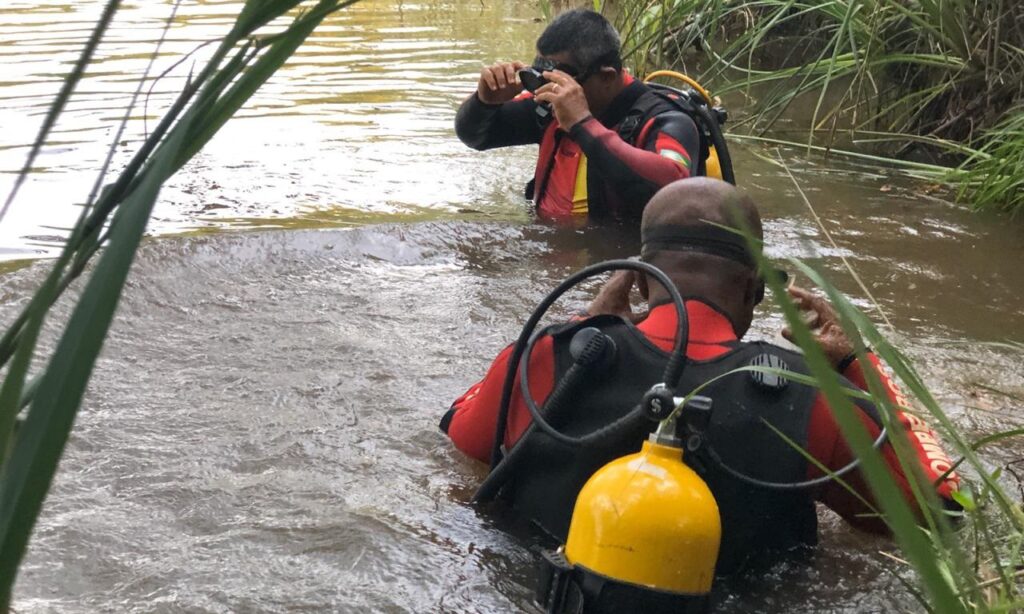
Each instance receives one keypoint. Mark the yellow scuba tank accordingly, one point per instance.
(644, 535)
(647, 519)
(712, 166)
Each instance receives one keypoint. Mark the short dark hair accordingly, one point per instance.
(588, 37)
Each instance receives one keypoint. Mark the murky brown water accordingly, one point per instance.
(261, 431)
(357, 127)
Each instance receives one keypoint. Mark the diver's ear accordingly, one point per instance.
(754, 293)
(641, 285)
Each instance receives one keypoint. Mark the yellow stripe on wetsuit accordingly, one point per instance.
(579, 192)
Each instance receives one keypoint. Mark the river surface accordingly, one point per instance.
(261, 430)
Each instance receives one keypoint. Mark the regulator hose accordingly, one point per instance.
(736, 473)
(524, 345)
(718, 140)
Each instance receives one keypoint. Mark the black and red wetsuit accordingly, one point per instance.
(591, 169)
(471, 421)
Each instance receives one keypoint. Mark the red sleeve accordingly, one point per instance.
(825, 443)
(674, 136)
(605, 147)
(475, 414)
(635, 172)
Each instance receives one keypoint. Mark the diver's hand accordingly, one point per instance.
(824, 323)
(566, 98)
(499, 82)
(613, 298)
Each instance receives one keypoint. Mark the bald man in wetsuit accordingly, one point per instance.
(608, 142)
(717, 276)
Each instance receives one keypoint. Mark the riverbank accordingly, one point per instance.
(937, 83)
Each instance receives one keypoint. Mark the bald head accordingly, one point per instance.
(699, 200)
(681, 227)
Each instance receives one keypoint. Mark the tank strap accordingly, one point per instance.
(564, 588)
(645, 107)
(557, 590)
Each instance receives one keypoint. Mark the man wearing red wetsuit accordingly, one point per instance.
(712, 268)
(584, 167)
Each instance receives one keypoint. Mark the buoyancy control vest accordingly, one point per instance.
(630, 115)
(550, 476)
(551, 148)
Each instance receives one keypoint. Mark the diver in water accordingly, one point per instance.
(608, 142)
(716, 274)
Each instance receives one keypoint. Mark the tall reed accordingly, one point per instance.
(992, 177)
(37, 412)
(912, 77)
(973, 565)
(969, 566)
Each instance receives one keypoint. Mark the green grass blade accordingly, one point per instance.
(13, 388)
(119, 217)
(70, 82)
(129, 108)
(280, 49)
(27, 476)
(258, 13)
(897, 513)
(932, 170)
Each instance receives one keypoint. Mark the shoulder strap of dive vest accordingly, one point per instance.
(659, 99)
(568, 329)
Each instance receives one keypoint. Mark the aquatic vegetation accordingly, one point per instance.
(992, 177)
(967, 566)
(115, 218)
(37, 410)
(912, 79)
(961, 562)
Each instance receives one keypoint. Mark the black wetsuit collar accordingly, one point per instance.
(621, 105)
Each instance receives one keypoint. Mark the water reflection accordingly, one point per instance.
(371, 92)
